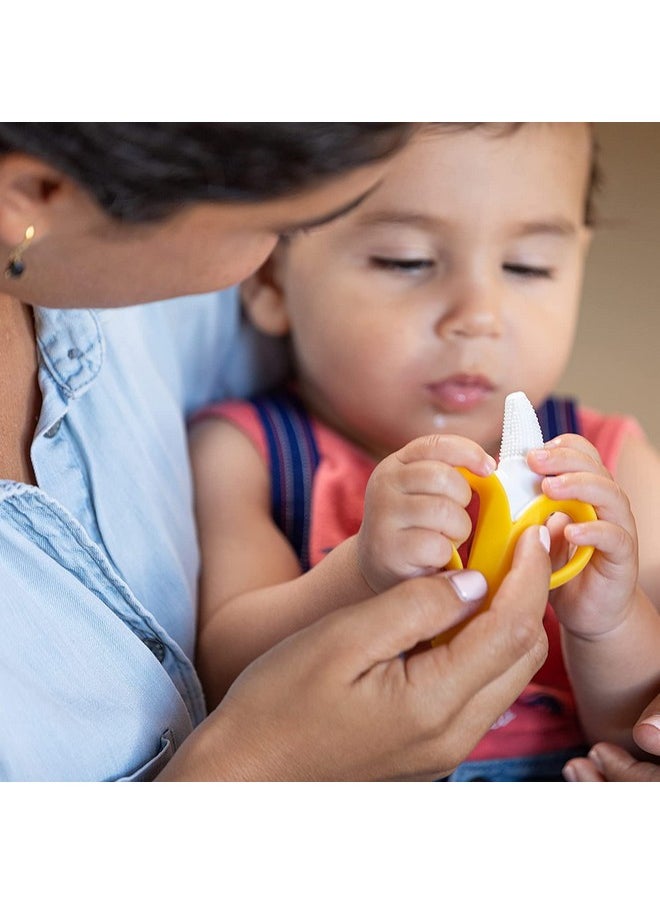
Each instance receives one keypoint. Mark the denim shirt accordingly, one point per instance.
(99, 561)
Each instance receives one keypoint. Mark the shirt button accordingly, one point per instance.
(156, 646)
(50, 433)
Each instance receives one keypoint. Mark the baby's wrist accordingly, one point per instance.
(618, 624)
(362, 568)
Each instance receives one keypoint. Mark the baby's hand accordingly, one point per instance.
(414, 508)
(597, 599)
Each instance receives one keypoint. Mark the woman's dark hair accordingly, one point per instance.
(140, 171)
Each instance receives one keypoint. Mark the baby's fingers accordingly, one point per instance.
(599, 490)
(616, 545)
(432, 478)
(427, 466)
(565, 454)
(435, 513)
(450, 449)
(420, 552)
(575, 442)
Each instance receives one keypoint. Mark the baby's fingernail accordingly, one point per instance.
(570, 774)
(575, 532)
(539, 454)
(491, 464)
(544, 537)
(469, 585)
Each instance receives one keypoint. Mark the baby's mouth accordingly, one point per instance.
(460, 392)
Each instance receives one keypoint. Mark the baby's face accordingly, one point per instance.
(455, 283)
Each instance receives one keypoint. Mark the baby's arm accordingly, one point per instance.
(252, 591)
(610, 628)
(638, 475)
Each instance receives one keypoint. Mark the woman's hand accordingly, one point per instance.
(610, 763)
(360, 696)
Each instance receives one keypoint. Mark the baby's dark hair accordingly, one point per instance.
(142, 171)
(595, 179)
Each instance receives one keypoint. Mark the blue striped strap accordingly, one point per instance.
(558, 415)
(293, 457)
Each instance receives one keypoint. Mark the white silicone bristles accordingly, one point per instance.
(521, 431)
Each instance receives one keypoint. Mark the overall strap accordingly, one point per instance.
(558, 415)
(293, 457)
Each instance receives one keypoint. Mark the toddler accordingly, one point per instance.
(456, 282)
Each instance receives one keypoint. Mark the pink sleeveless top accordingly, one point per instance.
(543, 719)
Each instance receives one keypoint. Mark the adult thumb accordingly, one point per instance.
(647, 730)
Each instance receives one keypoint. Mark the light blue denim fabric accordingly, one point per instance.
(98, 564)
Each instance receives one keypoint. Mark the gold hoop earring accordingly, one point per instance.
(15, 266)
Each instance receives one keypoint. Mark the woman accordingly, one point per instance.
(98, 553)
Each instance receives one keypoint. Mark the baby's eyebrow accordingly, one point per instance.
(559, 226)
(399, 218)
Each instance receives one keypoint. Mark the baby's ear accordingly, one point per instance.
(263, 300)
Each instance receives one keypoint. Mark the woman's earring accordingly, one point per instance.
(15, 266)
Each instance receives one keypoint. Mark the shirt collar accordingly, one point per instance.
(72, 347)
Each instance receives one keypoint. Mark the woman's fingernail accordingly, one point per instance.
(647, 732)
(652, 721)
(469, 585)
(544, 537)
(594, 756)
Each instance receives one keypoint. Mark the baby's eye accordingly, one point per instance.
(528, 272)
(402, 264)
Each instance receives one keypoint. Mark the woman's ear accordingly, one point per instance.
(27, 190)
(263, 300)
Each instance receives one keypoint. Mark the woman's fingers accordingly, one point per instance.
(609, 763)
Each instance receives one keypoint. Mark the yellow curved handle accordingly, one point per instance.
(540, 511)
(496, 534)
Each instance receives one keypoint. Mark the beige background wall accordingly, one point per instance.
(615, 365)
